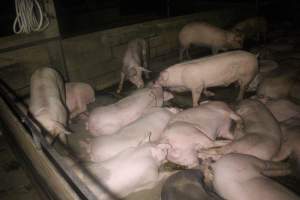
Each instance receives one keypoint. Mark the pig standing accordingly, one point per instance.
(261, 136)
(107, 120)
(185, 140)
(132, 170)
(134, 63)
(218, 70)
(244, 177)
(204, 34)
(207, 35)
(147, 128)
(78, 96)
(251, 27)
(47, 102)
(202, 116)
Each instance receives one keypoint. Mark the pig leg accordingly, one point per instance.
(63, 138)
(242, 90)
(285, 151)
(208, 93)
(145, 63)
(181, 52)
(196, 93)
(214, 50)
(121, 82)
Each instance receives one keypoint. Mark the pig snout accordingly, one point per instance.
(162, 79)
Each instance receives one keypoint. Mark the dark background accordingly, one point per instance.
(83, 16)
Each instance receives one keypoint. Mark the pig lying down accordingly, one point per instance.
(134, 63)
(282, 109)
(218, 70)
(207, 35)
(47, 102)
(291, 146)
(78, 96)
(261, 136)
(185, 140)
(132, 170)
(107, 120)
(244, 177)
(207, 112)
(148, 127)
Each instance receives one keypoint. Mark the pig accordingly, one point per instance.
(282, 109)
(218, 70)
(147, 128)
(107, 120)
(238, 176)
(187, 185)
(202, 116)
(207, 35)
(132, 170)
(47, 103)
(291, 146)
(265, 67)
(185, 140)
(277, 84)
(134, 63)
(252, 27)
(78, 96)
(261, 136)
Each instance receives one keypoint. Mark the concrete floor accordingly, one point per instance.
(15, 183)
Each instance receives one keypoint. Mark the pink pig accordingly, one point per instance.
(78, 96)
(47, 102)
(218, 70)
(207, 112)
(107, 120)
(207, 35)
(238, 176)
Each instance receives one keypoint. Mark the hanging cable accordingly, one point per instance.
(30, 17)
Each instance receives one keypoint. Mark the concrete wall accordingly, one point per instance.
(96, 57)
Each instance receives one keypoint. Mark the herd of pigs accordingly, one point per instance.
(236, 146)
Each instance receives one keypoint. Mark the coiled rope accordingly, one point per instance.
(30, 17)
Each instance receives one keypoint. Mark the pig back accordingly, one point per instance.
(201, 33)
(46, 90)
(221, 69)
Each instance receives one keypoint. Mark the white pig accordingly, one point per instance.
(47, 102)
(244, 177)
(78, 96)
(147, 128)
(207, 112)
(134, 63)
(107, 120)
(207, 35)
(282, 109)
(132, 170)
(261, 136)
(277, 84)
(185, 140)
(218, 70)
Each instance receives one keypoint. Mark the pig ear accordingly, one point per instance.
(168, 96)
(132, 72)
(143, 69)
